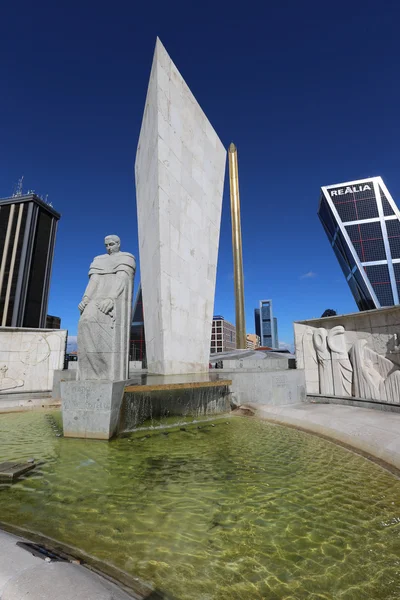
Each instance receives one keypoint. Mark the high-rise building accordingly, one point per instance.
(28, 228)
(266, 324)
(362, 223)
(223, 335)
(276, 332)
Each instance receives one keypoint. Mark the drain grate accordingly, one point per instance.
(42, 552)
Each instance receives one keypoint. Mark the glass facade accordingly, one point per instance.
(266, 325)
(26, 259)
(362, 223)
(37, 275)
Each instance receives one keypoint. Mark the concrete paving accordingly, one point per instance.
(23, 575)
(374, 432)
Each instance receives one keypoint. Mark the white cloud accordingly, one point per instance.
(286, 346)
(72, 343)
(308, 275)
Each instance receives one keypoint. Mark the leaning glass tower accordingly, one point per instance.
(362, 223)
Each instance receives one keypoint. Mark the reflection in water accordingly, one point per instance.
(236, 509)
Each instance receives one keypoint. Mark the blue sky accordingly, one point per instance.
(308, 91)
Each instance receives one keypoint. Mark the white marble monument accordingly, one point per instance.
(179, 170)
(106, 311)
(91, 405)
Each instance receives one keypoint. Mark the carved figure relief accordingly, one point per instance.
(342, 369)
(310, 359)
(375, 377)
(324, 362)
(38, 351)
(309, 354)
(360, 372)
(8, 383)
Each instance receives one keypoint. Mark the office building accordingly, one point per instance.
(28, 228)
(362, 223)
(265, 324)
(252, 341)
(53, 322)
(223, 335)
(276, 332)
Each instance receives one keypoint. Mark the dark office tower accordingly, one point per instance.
(27, 235)
(257, 324)
(362, 223)
(137, 346)
(265, 324)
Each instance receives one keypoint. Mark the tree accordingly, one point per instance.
(329, 312)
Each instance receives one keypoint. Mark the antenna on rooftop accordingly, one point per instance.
(18, 188)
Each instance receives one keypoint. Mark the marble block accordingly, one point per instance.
(179, 172)
(90, 409)
(62, 375)
(29, 357)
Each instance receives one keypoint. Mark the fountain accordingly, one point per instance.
(185, 502)
(179, 171)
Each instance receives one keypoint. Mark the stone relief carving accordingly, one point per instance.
(375, 377)
(8, 383)
(360, 372)
(309, 353)
(342, 370)
(105, 322)
(38, 351)
(324, 361)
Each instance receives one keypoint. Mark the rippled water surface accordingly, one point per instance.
(236, 509)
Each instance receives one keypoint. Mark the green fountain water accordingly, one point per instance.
(238, 509)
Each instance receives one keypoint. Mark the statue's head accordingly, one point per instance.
(112, 243)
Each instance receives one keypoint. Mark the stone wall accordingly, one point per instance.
(380, 331)
(28, 359)
(266, 387)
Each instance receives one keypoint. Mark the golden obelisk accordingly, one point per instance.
(237, 248)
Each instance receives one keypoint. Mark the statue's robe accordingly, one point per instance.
(103, 339)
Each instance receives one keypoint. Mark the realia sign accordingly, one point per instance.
(351, 189)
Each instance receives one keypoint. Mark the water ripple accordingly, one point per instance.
(241, 510)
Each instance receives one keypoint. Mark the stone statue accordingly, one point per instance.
(105, 322)
(324, 362)
(341, 366)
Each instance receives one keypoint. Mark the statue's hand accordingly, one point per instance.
(106, 305)
(82, 305)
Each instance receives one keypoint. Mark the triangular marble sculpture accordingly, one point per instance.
(180, 168)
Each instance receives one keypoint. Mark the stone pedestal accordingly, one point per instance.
(90, 409)
(59, 376)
